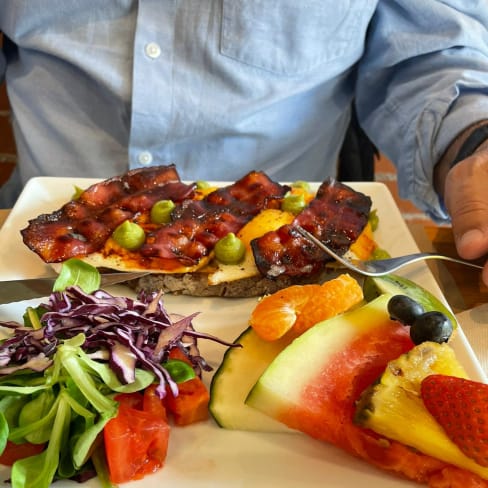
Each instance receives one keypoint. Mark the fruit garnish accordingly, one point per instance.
(393, 407)
(312, 384)
(460, 406)
(424, 326)
(242, 366)
(398, 285)
(299, 307)
(431, 326)
(404, 309)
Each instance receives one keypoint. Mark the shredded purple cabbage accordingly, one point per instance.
(129, 333)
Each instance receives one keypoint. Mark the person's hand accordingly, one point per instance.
(466, 199)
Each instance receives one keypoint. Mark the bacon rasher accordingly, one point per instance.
(84, 225)
(336, 216)
(198, 225)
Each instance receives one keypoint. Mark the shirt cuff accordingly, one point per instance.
(449, 118)
(467, 110)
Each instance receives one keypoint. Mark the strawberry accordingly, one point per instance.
(460, 406)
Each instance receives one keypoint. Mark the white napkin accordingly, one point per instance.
(474, 323)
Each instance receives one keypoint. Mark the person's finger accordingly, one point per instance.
(466, 198)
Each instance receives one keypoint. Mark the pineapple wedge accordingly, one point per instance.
(393, 407)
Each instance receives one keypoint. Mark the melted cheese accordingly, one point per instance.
(116, 257)
(267, 220)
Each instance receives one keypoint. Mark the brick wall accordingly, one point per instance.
(385, 173)
(8, 156)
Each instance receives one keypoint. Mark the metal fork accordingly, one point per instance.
(379, 267)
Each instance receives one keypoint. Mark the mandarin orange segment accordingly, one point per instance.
(275, 314)
(297, 308)
(332, 298)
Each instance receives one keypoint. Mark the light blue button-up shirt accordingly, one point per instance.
(220, 87)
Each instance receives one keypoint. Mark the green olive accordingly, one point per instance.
(202, 184)
(161, 211)
(305, 185)
(230, 249)
(293, 203)
(129, 235)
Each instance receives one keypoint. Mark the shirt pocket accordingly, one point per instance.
(291, 37)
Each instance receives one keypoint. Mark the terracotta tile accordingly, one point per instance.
(386, 173)
(384, 165)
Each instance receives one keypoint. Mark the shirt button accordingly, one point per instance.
(145, 158)
(152, 50)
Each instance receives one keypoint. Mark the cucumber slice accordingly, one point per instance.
(240, 369)
(397, 285)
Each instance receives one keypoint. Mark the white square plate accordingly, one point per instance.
(204, 455)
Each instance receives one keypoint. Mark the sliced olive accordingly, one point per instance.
(230, 249)
(129, 235)
(293, 203)
(161, 211)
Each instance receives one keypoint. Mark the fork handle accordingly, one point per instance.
(453, 260)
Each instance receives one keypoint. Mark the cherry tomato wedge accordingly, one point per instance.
(132, 400)
(153, 404)
(13, 452)
(191, 404)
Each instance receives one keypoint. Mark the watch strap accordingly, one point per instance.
(472, 142)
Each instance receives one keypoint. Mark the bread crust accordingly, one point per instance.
(196, 284)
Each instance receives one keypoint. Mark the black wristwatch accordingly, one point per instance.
(469, 146)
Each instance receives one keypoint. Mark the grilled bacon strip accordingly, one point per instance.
(336, 216)
(198, 225)
(82, 226)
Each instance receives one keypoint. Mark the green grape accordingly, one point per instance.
(230, 249)
(129, 235)
(161, 211)
(293, 203)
